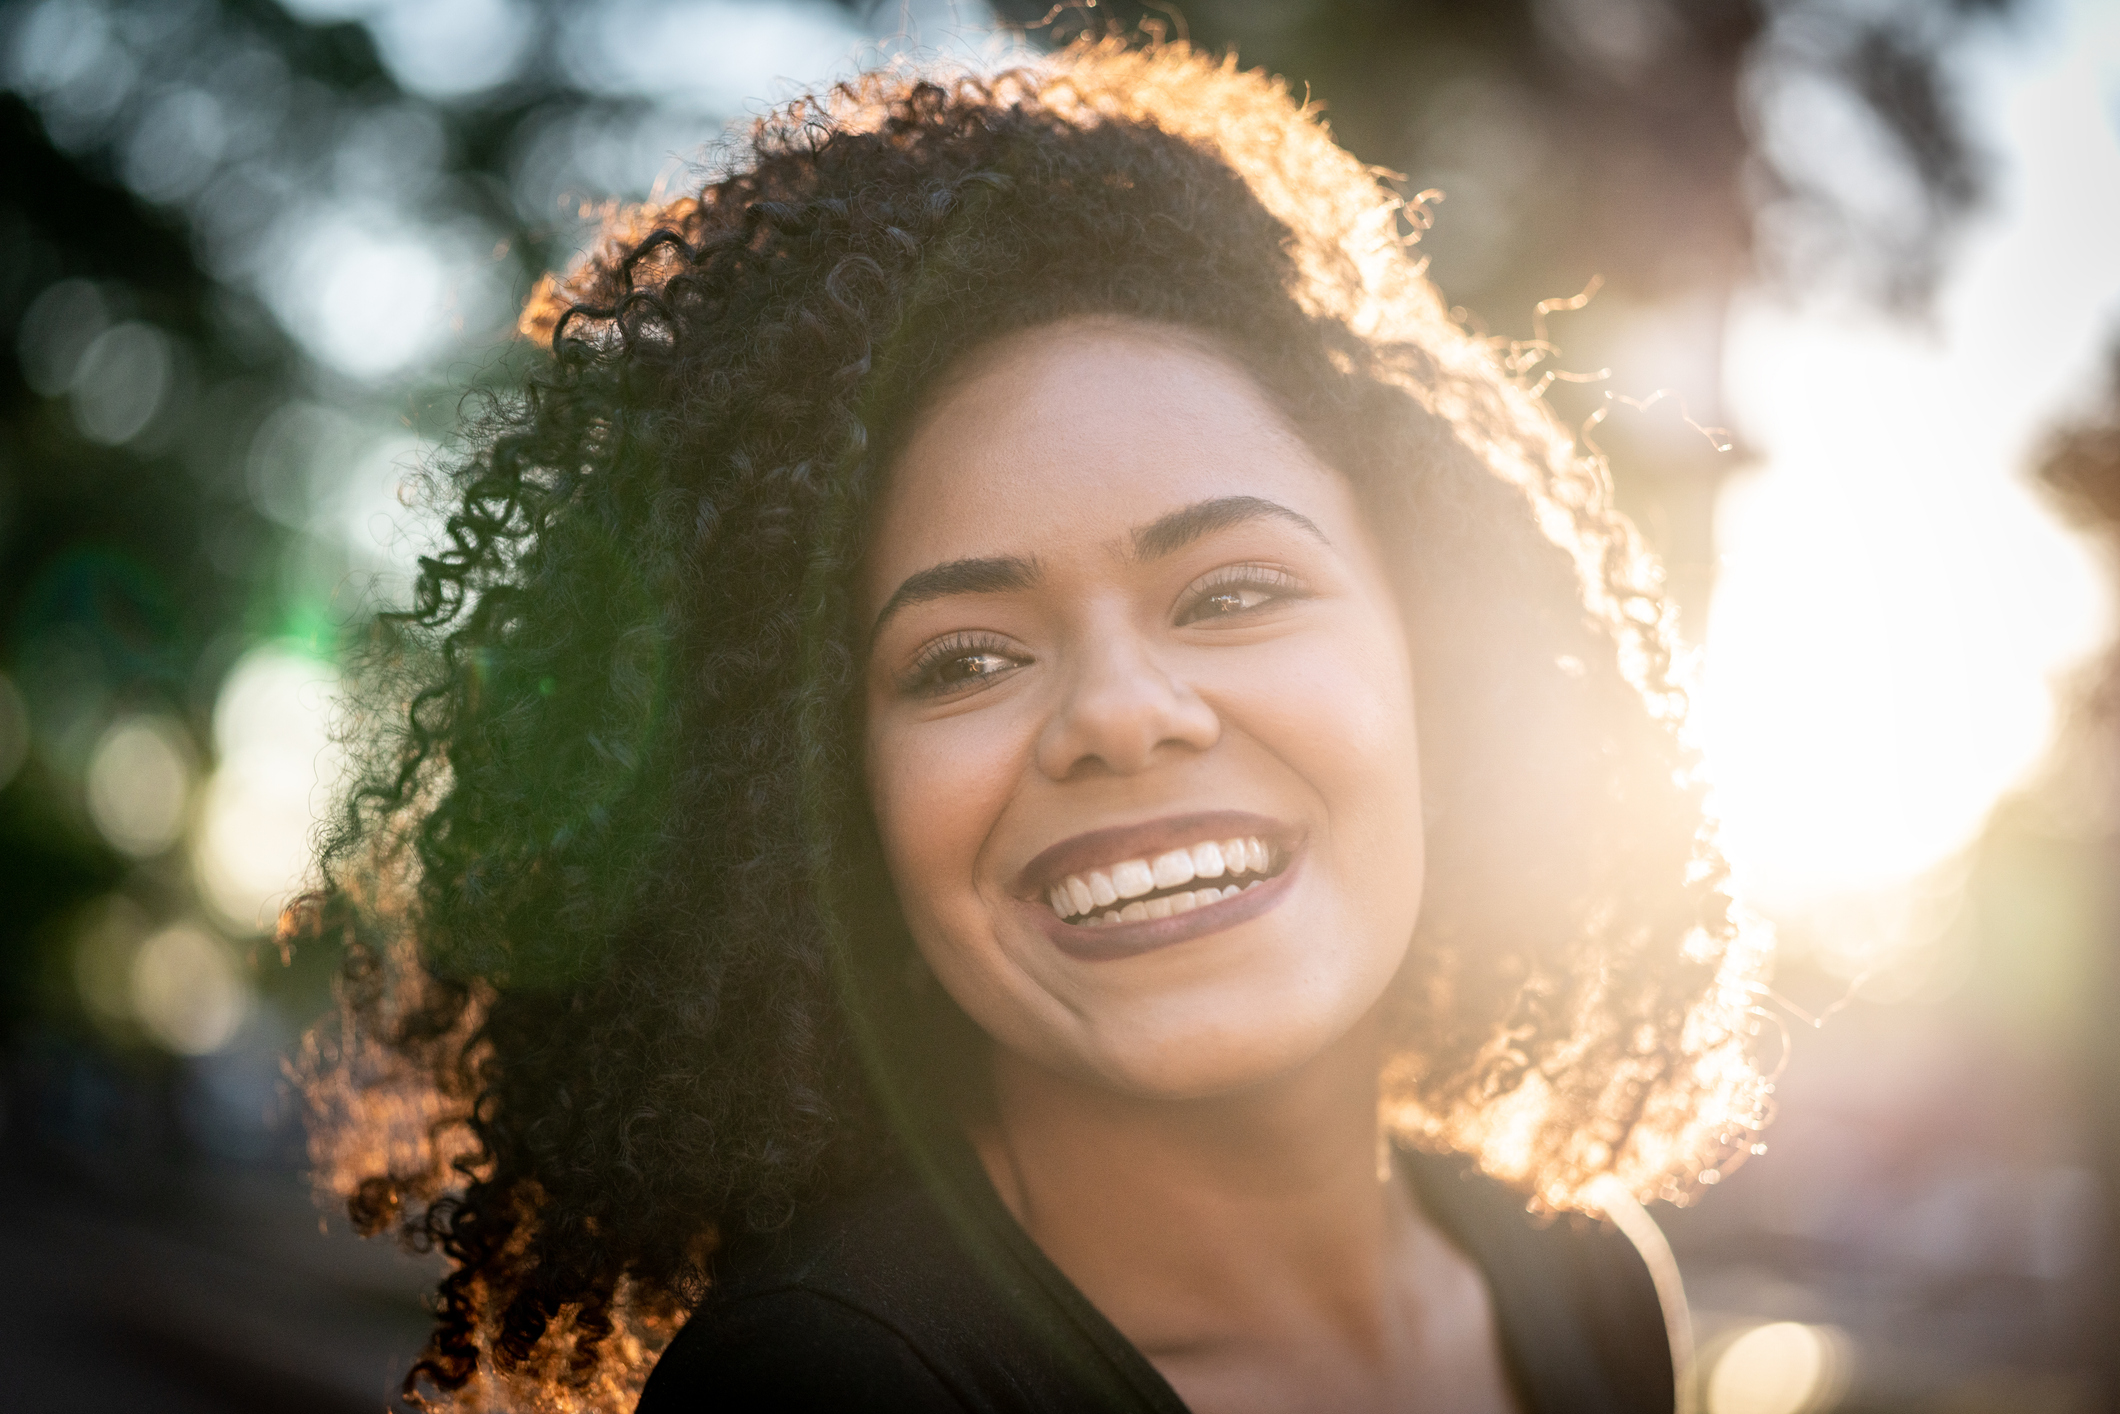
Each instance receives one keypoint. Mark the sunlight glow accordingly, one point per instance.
(1896, 607)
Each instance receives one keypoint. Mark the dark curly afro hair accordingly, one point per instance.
(623, 973)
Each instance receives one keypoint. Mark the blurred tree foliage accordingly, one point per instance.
(2081, 466)
(240, 241)
(1670, 150)
(1669, 146)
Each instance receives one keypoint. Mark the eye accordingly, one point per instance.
(958, 662)
(1236, 590)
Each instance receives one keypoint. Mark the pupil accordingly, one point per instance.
(1227, 602)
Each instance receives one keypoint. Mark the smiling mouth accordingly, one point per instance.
(1168, 883)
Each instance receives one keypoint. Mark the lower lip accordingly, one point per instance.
(1117, 940)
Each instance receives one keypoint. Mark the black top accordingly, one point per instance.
(915, 1296)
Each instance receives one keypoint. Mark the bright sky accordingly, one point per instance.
(1895, 602)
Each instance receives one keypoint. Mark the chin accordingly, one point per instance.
(1207, 1052)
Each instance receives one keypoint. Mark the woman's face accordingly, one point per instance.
(1140, 733)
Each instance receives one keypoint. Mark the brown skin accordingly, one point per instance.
(1187, 1127)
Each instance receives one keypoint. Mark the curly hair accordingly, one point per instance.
(623, 973)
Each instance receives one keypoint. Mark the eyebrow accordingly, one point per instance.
(1188, 523)
(991, 575)
(1164, 535)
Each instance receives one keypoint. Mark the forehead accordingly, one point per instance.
(1082, 431)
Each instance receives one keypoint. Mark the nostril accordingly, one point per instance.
(1121, 720)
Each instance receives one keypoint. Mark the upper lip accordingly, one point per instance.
(1096, 849)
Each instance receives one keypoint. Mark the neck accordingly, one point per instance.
(1195, 1223)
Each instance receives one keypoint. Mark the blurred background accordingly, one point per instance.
(1854, 351)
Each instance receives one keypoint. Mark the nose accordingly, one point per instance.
(1122, 708)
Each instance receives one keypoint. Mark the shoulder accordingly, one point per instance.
(867, 1303)
(1587, 1319)
(823, 1315)
(792, 1349)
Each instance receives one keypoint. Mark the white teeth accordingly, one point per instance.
(1172, 869)
(1132, 879)
(1090, 895)
(1168, 906)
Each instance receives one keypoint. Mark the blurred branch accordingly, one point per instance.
(2081, 463)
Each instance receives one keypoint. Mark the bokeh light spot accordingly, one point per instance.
(297, 452)
(58, 326)
(710, 55)
(106, 938)
(175, 145)
(1782, 1368)
(58, 43)
(70, 55)
(366, 298)
(139, 780)
(272, 730)
(189, 990)
(449, 47)
(119, 384)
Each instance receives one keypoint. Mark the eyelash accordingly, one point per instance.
(1278, 584)
(924, 676)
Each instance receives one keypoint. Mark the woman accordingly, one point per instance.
(1031, 785)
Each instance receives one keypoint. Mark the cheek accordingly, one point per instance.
(938, 788)
(1339, 711)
